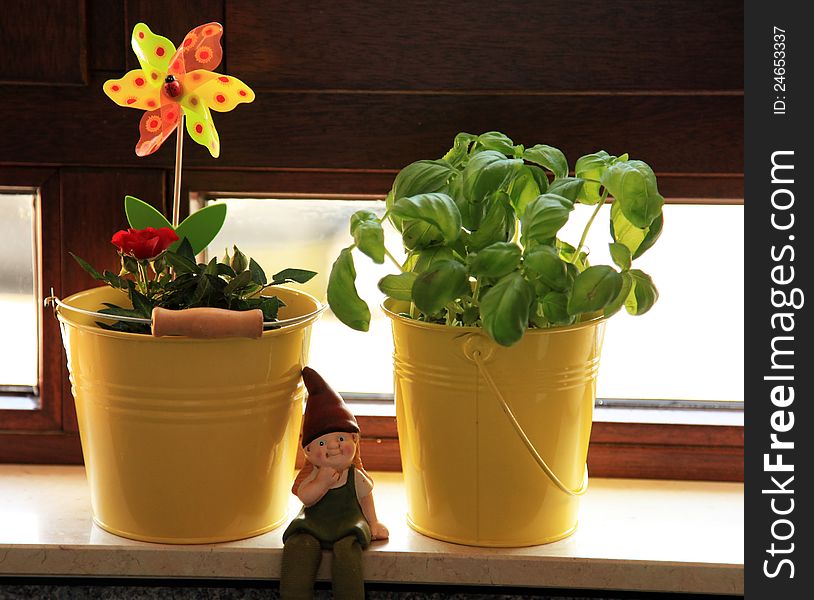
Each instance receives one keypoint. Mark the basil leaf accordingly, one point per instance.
(442, 283)
(497, 226)
(368, 234)
(594, 289)
(643, 294)
(424, 259)
(567, 187)
(531, 181)
(555, 308)
(633, 186)
(544, 217)
(549, 157)
(505, 309)
(398, 287)
(342, 296)
(458, 155)
(494, 140)
(486, 173)
(545, 264)
(591, 168)
(422, 177)
(495, 260)
(437, 210)
(627, 283)
(620, 255)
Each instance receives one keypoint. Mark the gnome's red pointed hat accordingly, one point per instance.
(325, 411)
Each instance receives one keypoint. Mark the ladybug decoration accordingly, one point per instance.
(172, 87)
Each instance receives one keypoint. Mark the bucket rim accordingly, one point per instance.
(123, 335)
(471, 329)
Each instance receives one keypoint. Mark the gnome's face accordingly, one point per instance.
(334, 450)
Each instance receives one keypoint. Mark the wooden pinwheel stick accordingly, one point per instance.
(176, 190)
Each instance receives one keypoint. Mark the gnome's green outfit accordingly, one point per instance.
(335, 521)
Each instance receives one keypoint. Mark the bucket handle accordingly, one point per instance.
(476, 355)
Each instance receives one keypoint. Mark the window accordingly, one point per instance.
(695, 327)
(18, 300)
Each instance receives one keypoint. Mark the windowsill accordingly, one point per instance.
(656, 536)
(602, 414)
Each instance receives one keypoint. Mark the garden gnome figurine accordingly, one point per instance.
(338, 511)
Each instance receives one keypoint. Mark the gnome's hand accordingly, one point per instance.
(378, 531)
(327, 476)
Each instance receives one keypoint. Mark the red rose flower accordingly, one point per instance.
(144, 243)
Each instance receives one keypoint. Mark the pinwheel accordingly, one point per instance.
(172, 83)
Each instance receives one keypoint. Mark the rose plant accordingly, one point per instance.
(481, 230)
(159, 269)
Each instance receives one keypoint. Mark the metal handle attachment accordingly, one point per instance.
(475, 351)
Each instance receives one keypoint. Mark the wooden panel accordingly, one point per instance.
(40, 448)
(485, 45)
(702, 463)
(43, 42)
(386, 131)
(106, 31)
(93, 210)
(173, 20)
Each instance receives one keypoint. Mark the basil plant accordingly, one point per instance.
(480, 227)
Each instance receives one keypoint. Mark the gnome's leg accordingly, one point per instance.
(348, 581)
(302, 554)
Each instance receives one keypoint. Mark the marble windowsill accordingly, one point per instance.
(633, 535)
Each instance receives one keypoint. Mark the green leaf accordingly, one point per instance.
(427, 257)
(257, 273)
(442, 283)
(545, 264)
(643, 294)
(555, 308)
(620, 255)
(549, 157)
(87, 267)
(530, 182)
(567, 187)
(594, 289)
(295, 275)
(185, 250)
(494, 140)
(633, 186)
(243, 279)
(458, 155)
(239, 261)
(495, 260)
(398, 287)
(544, 217)
(141, 215)
(613, 307)
(437, 210)
(368, 234)
(591, 168)
(115, 281)
(211, 267)
(567, 253)
(118, 311)
(637, 240)
(505, 309)
(422, 177)
(181, 264)
(201, 227)
(342, 296)
(270, 307)
(496, 226)
(486, 173)
(141, 304)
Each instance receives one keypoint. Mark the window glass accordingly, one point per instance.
(18, 298)
(689, 347)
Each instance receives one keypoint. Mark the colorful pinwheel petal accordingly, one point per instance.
(172, 80)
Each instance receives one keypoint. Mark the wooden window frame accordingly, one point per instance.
(635, 448)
